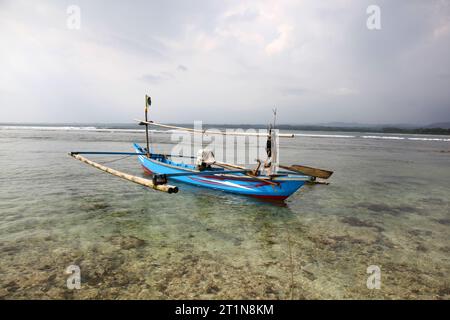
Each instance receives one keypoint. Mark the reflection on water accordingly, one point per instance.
(387, 205)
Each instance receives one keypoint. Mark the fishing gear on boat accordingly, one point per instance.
(269, 146)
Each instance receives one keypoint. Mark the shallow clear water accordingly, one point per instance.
(387, 205)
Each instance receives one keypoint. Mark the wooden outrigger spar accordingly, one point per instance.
(267, 182)
(210, 132)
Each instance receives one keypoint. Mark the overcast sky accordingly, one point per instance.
(225, 61)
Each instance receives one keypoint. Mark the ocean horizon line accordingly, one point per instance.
(135, 128)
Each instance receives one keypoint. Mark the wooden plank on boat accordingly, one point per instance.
(309, 171)
(225, 165)
(129, 177)
(222, 164)
(203, 173)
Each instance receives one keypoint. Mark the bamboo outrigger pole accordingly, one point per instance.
(129, 177)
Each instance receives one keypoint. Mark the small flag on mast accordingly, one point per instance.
(148, 102)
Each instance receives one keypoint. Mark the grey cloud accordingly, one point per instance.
(247, 15)
(321, 56)
(157, 78)
(294, 91)
(150, 78)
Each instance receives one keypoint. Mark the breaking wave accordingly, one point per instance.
(381, 137)
(131, 130)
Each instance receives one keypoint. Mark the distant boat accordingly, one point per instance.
(267, 182)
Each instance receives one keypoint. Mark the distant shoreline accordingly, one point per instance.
(368, 129)
(382, 129)
(434, 131)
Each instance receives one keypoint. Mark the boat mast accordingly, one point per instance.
(148, 102)
(274, 110)
(273, 144)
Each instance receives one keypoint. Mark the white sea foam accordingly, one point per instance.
(323, 135)
(74, 128)
(383, 137)
(429, 139)
(312, 135)
(52, 128)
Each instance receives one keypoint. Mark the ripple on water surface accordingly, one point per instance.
(387, 205)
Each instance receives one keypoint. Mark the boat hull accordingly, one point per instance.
(232, 183)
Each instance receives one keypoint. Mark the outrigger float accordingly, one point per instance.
(268, 182)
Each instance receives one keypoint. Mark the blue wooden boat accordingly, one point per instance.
(277, 187)
(267, 183)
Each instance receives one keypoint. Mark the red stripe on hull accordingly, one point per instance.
(147, 171)
(268, 197)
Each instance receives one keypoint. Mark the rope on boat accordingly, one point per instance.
(114, 160)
